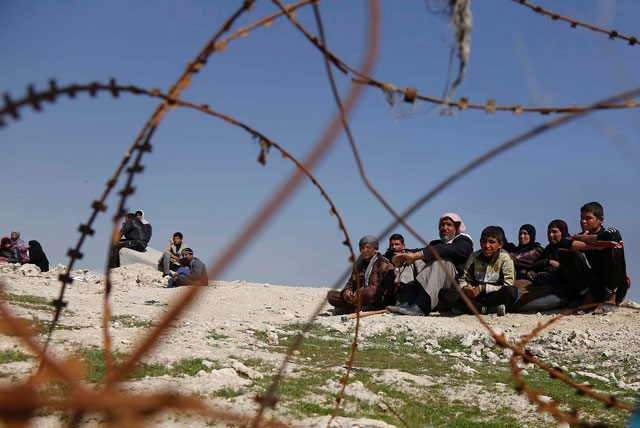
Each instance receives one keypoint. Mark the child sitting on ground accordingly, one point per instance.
(182, 270)
(487, 280)
(607, 281)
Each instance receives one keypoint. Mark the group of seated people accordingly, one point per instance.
(189, 270)
(580, 269)
(13, 250)
(135, 234)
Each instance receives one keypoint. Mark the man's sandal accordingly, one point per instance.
(605, 309)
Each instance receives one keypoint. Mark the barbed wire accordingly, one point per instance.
(148, 130)
(613, 34)
(500, 339)
(98, 205)
(556, 373)
(106, 399)
(411, 94)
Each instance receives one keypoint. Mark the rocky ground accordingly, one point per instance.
(438, 370)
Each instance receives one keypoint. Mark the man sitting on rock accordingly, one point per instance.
(132, 235)
(147, 226)
(198, 275)
(420, 297)
(172, 253)
(376, 276)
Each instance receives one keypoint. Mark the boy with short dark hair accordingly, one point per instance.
(607, 280)
(487, 280)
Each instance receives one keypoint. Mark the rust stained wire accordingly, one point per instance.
(534, 396)
(411, 94)
(99, 205)
(501, 340)
(327, 139)
(575, 23)
(148, 130)
(373, 190)
(114, 88)
(20, 403)
(258, 221)
(396, 414)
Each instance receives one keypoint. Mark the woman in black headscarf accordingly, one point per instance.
(547, 267)
(37, 256)
(526, 252)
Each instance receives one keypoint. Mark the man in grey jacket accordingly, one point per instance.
(198, 275)
(172, 253)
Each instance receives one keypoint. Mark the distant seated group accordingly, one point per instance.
(13, 250)
(135, 234)
(580, 269)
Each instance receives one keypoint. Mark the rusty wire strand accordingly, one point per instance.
(258, 221)
(411, 94)
(148, 130)
(270, 143)
(27, 337)
(180, 102)
(98, 205)
(613, 34)
(329, 138)
(499, 339)
(396, 414)
(534, 396)
(373, 190)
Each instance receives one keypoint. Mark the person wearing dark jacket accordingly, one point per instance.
(37, 256)
(375, 277)
(198, 275)
(132, 235)
(420, 296)
(526, 252)
(547, 276)
(147, 226)
(9, 253)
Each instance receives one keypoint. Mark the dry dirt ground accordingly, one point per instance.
(235, 323)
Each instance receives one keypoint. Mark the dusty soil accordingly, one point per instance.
(230, 320)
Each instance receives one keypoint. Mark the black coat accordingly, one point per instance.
(37, 256)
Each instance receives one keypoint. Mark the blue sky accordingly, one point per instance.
(202, 177)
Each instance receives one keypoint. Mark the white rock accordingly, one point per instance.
(149, 257)
(460, 367)
(208, 364)
(29, 270)
(545, 399)
(272, 338)
(467, 341)
(593, 376)
(244, 370)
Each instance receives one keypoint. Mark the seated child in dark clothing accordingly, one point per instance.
(182, 270)
(607, 280)
(487, 280)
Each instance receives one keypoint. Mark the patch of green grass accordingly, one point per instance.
(11, 356)
(229, 393)
(43, 326)
(314, 409)
(40, 326)
(96, 369)
(591, 410)
(29, 302)
(215, 335)
(131, 321)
